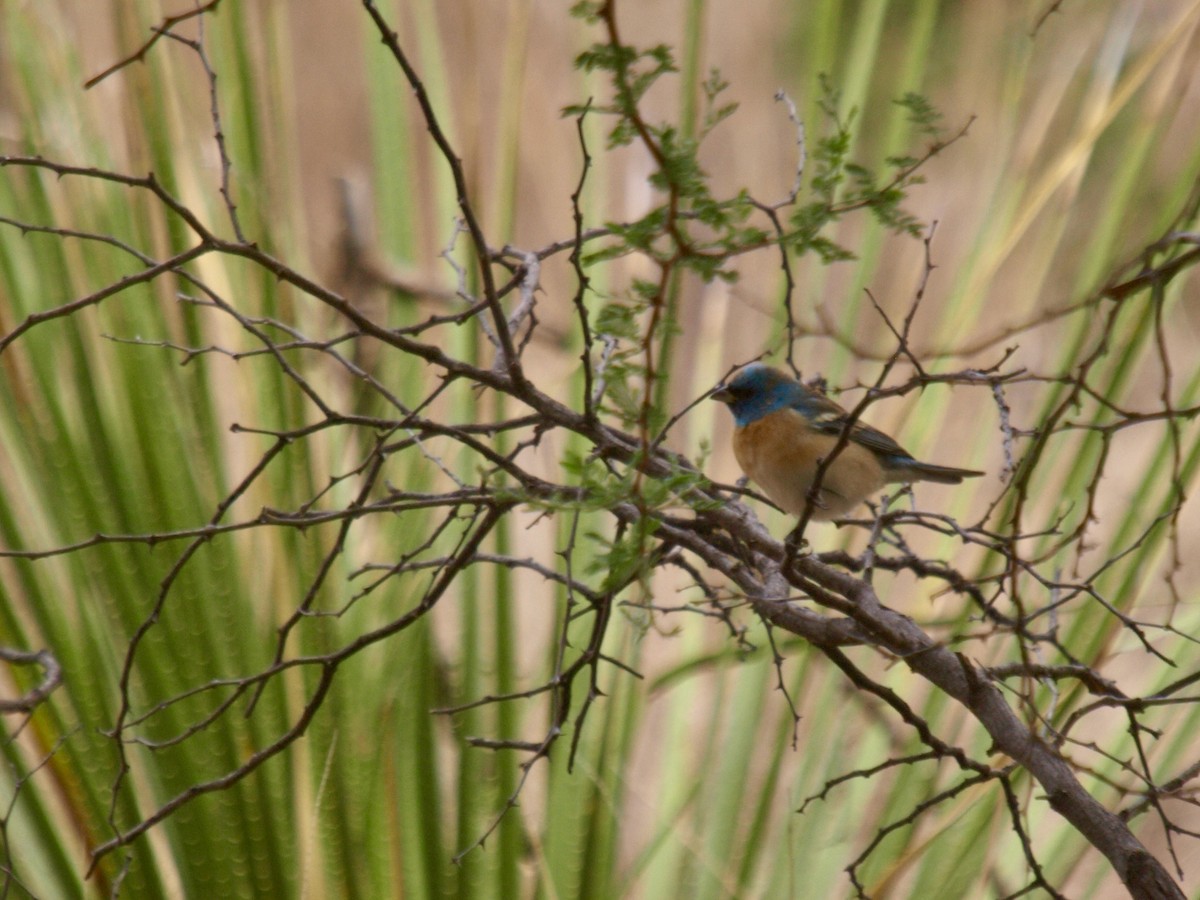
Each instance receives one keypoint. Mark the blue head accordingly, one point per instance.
(759, 390)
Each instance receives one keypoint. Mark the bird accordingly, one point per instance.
(785, 429)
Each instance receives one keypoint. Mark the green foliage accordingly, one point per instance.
(379, 794)
(624, 560)
(840, 186)
(633, 73)
(692, 230)
(715, 112)
(925, 119)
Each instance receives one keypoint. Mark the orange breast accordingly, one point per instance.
(780, 454)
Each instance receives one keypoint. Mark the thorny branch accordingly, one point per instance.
(51, 678)
(1011, 602)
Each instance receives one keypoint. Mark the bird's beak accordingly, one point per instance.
(722, 394)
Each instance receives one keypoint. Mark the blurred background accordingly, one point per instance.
(1082, 145)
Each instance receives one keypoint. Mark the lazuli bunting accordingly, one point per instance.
(785, 429)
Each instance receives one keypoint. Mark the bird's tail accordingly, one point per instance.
(919, 471)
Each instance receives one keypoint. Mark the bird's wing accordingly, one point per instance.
(877, 441)
(829, 418)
